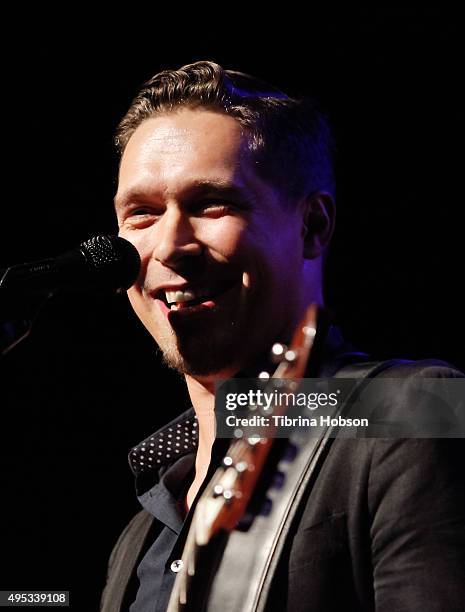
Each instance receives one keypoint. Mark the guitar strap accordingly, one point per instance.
(266, 538)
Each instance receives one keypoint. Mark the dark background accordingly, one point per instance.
(87, 384)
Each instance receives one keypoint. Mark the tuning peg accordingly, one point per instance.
(278, 351)
(290, 356)
(227, 494)
(290, 452)
(266, 507)
(309, 331)
(245, 522)
(278, 480)
(241, 466)
(217, 490)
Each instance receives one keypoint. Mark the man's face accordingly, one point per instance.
(221, 252)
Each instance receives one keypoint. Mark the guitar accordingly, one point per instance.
(226, 500)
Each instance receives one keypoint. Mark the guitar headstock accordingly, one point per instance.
(226, 498)
(293, 359)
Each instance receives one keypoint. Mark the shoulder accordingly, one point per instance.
(410, 399)
(413, 445)
(426, 368)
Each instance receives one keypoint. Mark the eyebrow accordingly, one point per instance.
(196, 189)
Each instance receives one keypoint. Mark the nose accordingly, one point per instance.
(175, 239)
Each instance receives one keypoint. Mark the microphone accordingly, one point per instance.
(102, 262)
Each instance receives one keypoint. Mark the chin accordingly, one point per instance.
(203, 356)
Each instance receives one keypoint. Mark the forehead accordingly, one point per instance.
(184, 146)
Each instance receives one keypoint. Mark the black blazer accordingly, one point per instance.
(382, 528)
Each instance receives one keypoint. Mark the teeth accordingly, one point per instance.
(178, 297)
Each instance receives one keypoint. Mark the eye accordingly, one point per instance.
(137, 212)
(214, 208)
(140, 217)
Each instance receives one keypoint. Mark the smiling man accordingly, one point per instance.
(226, 189)
(228, 262)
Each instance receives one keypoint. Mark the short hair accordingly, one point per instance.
(289, 138)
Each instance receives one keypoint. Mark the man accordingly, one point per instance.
(226, 188)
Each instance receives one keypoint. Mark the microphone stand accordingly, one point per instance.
(18, 315)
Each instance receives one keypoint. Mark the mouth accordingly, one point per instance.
(189, 299)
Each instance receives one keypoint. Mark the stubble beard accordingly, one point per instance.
(201, 352)
(221, 343)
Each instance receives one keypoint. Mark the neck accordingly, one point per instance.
(203, 400)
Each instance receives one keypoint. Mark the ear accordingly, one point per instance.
(318, 217)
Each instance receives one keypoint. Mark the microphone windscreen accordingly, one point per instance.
(115, 261)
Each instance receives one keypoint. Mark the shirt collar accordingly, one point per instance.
(156, 453)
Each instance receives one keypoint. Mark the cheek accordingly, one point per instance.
(273, 268)
(145, 310)
(223, 237)
(141, 240)
(135, 299)
(142, 306)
